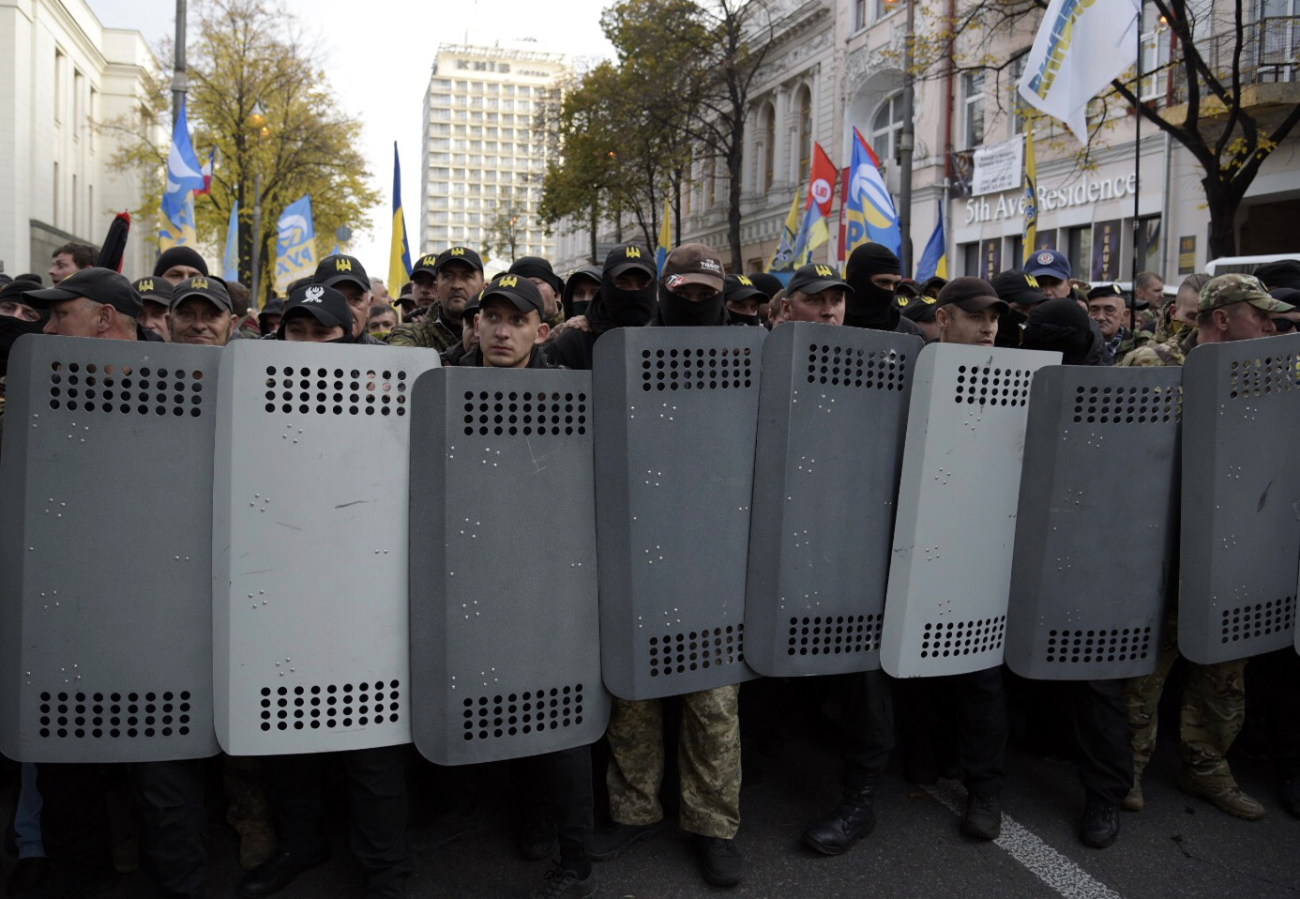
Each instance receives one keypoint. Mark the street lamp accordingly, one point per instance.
(257, 119)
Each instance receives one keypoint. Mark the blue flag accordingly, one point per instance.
(184, 174)
(295, 245)
(230, 261)
(934, 261)
(870, 209)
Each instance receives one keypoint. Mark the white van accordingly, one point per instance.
(1244, 264)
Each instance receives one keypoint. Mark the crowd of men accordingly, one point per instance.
(530, 317)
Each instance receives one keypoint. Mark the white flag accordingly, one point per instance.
(1081, 46)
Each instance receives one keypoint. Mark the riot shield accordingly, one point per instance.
(946, 603)
(311, 638)
(1097, 523)
(105, 551)
(505, 629)
(832, 409)
(676, 416)
(1241, 491)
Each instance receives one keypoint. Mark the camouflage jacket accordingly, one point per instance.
(430, 333)
(1170, 352)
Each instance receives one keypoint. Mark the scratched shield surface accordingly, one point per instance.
(310, 546)
(105, 551)
(946, 603)
(1240, 499)
(505, 619)
(676, 418)
(832, 411)
(1069, 617)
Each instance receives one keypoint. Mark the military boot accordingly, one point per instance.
(851, 820)
(1223, 794)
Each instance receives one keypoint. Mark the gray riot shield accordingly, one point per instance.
(1093, 546)
(310, 500)
(1241, 492)
(946, 603)
(676, 415)
(105, 551)
(831, 415)
(505, 628)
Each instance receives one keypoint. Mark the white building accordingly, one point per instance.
(483, 152)
(837, 64)
(62, 74)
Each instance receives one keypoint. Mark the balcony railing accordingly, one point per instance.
(1270, 54)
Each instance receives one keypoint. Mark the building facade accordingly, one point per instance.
(483, 152)
(62, 75)
(837, 64)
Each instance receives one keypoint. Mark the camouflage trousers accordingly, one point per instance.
(1213, 709)
(708, 755)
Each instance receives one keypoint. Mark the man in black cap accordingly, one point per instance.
(626, 299)
(202, 312)
(71, 257)
(457, 277)
(742, 297)
(540, 272)
(92, 302)
(511, 328)
(268, 320)
(816, 293)
(346, 275)
(967, 312)
(1108, 307)
(580, 289)
(315, 313)
(1022, 293)
(873, 271)
(156, 295)
(179, 263)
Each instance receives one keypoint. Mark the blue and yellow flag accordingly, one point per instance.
(783, 257)
(934, 261)
(399, 254)
(184, 176)
(870, 210)
(665, 236)
(230, 261)
(1031, 193)
(295, 247)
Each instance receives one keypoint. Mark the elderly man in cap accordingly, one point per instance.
(1232, 307)
(202, 313)
(445, 283)
(1108, 307)
(92, 302)
(1051, 268)
(346, 275)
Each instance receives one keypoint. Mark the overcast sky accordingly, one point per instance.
(380, 55)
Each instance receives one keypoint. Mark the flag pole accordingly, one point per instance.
(1137, 184)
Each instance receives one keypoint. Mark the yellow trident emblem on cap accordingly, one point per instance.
(429, 260)
(343, 265)
(199, 283)
(632, 253)
(743, 280)
(824, 271)
(509, 281)
(1031, 281)
(458, 251)
(146, 285)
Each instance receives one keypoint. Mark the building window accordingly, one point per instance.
(60, 63)
(1017, 103)
(859, 14)
(805, 135)
(1155, 54)
(710, 182)
(884, 8)
(886, 126)
(972, 94)
(769, 146)
(970, 258)
(1078, 243)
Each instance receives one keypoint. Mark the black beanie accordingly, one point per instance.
(537, 267)
(869, 306)
(1061, 325)
(179, 256)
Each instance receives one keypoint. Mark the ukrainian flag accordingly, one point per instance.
(934, 261)
(399, 254)
(665, 237)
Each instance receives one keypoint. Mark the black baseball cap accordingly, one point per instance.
(740, 287)
(325, 304)
(1018, 287)
(970, 295)
(629, 256)
(814, 278)
(518, 290)
(458, 254)
(154, 289)
(338, 269)
(102, 285)
(426, 264)
(211, 289)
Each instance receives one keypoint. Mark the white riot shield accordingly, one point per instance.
(1241, 492)
(310, 624)
(832, 411)
(946, 604)
(505, 627)
(1094, 546)
(105, 551)
(676, 416)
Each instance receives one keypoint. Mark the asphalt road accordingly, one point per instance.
(1178, 847)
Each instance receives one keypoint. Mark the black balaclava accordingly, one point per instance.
(675, 311)
(869, 306)
(739, 318)
(11, 329)
(179, 256)
(614, 308)
(1063, 326)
